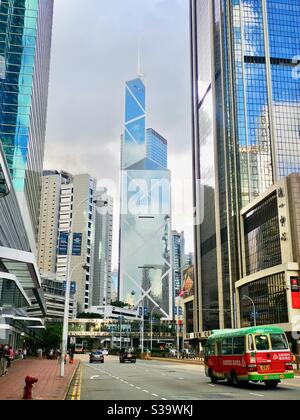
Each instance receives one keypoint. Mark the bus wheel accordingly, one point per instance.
(234, 379)
(271, 384)
(212, 377)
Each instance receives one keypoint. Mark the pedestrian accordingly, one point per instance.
(3, 360)
(24, 353)
(40, 353)
(71, 357)
(10, 356)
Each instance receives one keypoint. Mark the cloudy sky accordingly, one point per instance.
(94, 51)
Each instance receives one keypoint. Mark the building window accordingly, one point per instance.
(270, 299)
(262, 236)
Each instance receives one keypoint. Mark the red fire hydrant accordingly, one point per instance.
(29, 381)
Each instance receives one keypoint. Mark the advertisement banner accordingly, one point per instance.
(63, 243)
(188, 282)
(77, 242)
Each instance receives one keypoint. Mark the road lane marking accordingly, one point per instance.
(94, 377)
(256, 395)
(164, 399)
(155, 395)
(144, 390)
(213, 386)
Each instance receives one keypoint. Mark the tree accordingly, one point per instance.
(52, 336)
(119, 304)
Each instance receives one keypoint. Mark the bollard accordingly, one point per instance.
(29, 381)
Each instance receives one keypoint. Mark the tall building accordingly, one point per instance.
(102, 276)
(24, 79)
(178, 261)
(156, 148)
(246, 99)
(68, 203)
(49, 218)
(145, 230)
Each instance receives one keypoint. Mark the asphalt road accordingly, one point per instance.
(160, 381)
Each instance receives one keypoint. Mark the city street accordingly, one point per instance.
(153, 380)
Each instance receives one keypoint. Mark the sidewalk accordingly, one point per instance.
(50, 385)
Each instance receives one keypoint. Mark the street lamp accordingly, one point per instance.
(254, 309)
(98, 203)
(154, 307)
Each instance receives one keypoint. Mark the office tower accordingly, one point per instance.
(102, 277)
(78, 211)
(246, 98)
(24, 77)
(133, 142)
(68, 203)
(178, 259)
(49, 219)
(145, 228)
(156, 148)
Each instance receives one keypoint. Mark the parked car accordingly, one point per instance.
(127, 355)
(97, 357)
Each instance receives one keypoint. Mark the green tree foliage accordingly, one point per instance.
(52, 336)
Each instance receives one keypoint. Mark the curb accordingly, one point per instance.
(68, 386)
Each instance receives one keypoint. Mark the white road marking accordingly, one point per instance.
(155, 395)
(144, 390)
(95, 377)
(256, 395)
(138, 387)
(164, 399)
(213, 386)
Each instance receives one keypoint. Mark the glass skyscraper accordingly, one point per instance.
(156, 148)
(134, 141)
(25, 44)
(246, 118)
(145, 273)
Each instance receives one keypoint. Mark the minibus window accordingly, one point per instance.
(262, 343)
(250, 343)
(227, 347)
(279, 342)
(239, 345)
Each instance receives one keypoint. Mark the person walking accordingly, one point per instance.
(40, 353)
(10, 356)
(3, 360)
(24, 353)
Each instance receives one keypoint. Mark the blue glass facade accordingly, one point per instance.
(145, 228)
(246, 118)
(25, 44)
(156, 148)
(134, 142)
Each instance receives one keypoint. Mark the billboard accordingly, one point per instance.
(63, 243)
(77, 242)
(189, 281)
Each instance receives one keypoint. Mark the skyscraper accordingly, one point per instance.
(145, 228)
(68, 202)
(102, 276)
(246, 100)
(156, 148)
(134, 145)
(24, 78)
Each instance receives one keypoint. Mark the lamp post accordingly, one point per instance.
(151, 323)
(254, 309)
(98, 203)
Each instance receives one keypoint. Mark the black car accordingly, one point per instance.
(127, 355)
(97, 357)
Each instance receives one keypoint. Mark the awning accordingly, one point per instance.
(32, 323)
(12, 292)
(23, 265)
